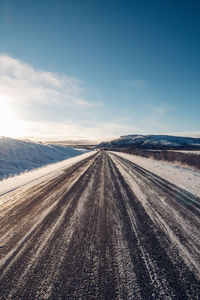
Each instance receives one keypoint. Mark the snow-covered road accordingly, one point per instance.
(100, 228)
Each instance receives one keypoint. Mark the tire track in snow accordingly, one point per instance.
(104, 229)
(177, 232)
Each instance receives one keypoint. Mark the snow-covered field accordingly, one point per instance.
(187, 151)
(185, 178)
(38, 175)
(17, 156)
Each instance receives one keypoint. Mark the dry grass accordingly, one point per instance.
(180, 158)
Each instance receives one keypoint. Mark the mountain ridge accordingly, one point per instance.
(154, 142)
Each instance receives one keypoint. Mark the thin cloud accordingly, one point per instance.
(155, 114)
(71, 129)
(20, 82)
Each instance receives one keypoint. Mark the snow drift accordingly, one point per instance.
(17, 156)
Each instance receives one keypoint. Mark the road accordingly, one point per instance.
(103, 229)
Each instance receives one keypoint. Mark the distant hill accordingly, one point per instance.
(17, 156)
(157, 142)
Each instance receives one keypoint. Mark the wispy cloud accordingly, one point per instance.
(155, 115)
(20, 82)
(53, 105)
(71, 129)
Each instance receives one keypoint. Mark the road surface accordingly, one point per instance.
(105, 228)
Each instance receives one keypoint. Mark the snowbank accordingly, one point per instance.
(185, 178)
(17, 156)
(38, 175)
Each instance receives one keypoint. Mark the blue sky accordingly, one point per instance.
(100, 69)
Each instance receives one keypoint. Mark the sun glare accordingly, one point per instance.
(9, 124)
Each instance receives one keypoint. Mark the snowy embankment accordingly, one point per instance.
(187, 151)
(17, 156)
(185, 178)
(38, 175)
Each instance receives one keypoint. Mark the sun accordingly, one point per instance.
(9, 124)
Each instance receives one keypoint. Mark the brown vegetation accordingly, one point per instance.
(189, 159)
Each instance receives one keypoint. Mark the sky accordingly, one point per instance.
(98, 69)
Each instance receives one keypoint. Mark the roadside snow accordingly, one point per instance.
(17, 156)
(186, 151)
(185, 178)
(38, 175)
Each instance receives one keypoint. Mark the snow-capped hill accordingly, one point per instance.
(154, 142)
(17, 156)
